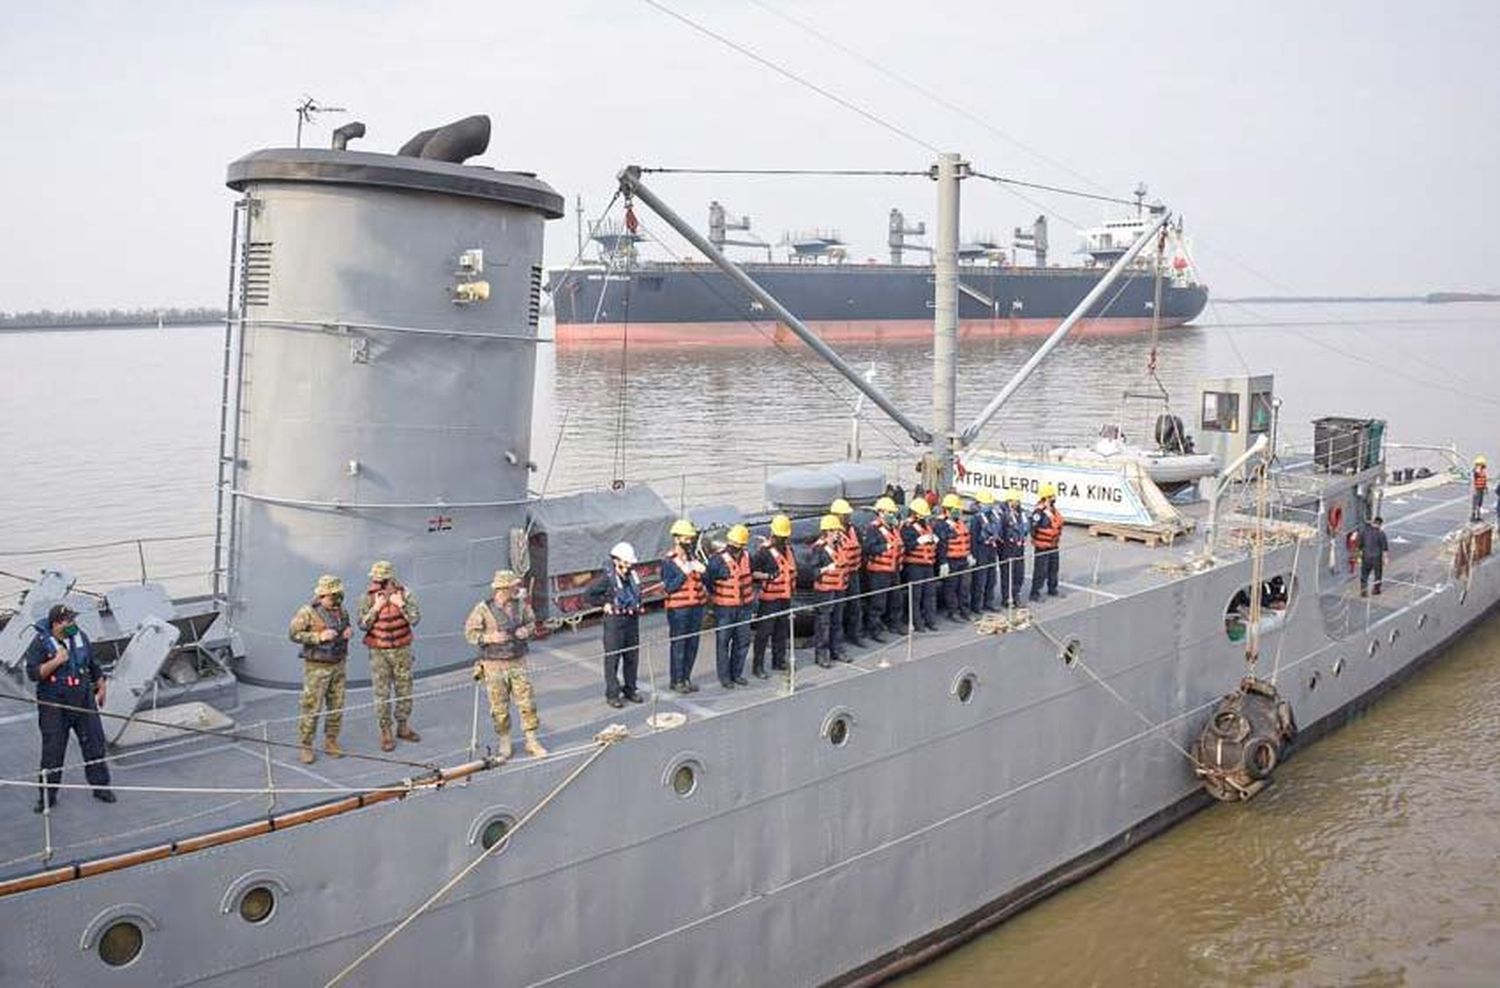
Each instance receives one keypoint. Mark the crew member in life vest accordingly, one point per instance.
(388, 612)
(1481, 484)
(1046, 542)
(830, 584)
(958, 557)
(882, 542)
(731, 591)
(985, 529)
(500, 628)
(853, 558)
(920, 549)
(682, 579)
(773, 567)
(618, 591)
(69, 692)
(1015, 529)
(323, 630)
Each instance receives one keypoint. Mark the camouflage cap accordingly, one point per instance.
(504, 578)
(383, 570)
(328, 584)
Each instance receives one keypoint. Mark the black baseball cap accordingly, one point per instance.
(60, 613)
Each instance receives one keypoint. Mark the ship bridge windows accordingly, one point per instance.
(1221, 411)
(1275, 600)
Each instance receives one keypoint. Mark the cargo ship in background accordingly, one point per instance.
(619, 295)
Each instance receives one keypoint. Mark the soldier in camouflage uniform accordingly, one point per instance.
(500, 628)
(388, 612)
(322, 628)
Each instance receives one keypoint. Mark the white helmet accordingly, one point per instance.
(624, 552)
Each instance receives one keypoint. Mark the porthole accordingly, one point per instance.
(495, 832)
(1312, 682)
(1374, 646)
(1338, 667)
(1421, 620)
(838, 731)
(1071, 651)
(121, 943)
(965, 688)
(684, 779)
(257, 905)
(1395, 635)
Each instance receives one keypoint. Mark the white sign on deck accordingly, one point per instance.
(1084, 494)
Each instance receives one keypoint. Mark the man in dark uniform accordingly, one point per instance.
(1373, 548)
(618, 590)
(69, 691)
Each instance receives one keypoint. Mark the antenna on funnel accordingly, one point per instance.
(307, 108)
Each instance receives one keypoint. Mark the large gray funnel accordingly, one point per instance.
(387, 312)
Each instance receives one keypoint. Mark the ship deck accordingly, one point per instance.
(199, 784)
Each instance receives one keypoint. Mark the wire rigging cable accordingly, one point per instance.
(794, 77)
(839, 172)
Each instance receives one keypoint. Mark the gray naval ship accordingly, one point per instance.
(828, 826)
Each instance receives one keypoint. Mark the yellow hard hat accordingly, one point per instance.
(739, 535)
(328, 585)
(953, 501)
(984, 497)
(504, 578)
(683, 529)
(1480, 461)
(885, 504)
(921, 508)
(781, 525)
(841, 507)
(1048, 490)
(1012, 497)
(831, 523)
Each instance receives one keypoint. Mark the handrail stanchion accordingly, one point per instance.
(645, 647)
(265, 736)
(140, 552)
(911, 618)
(791, 648)
(474, 725)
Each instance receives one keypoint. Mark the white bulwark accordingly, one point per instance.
(1084, 494)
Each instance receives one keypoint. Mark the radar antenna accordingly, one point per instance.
(307, 108)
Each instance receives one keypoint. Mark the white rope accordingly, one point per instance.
(605, 739)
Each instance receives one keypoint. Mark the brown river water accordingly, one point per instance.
(1374, 860)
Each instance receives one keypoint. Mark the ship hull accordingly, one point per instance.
(698, 304)
(794, 861)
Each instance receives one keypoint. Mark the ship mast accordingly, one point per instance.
(938, 469)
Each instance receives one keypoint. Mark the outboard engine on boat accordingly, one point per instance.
(1170, 435)
(1243, 741)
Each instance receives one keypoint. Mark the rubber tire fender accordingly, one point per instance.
(1261, 758)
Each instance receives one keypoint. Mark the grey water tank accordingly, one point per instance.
(861, 482)
(803, 488)
(387, 334)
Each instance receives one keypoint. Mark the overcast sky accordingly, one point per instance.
(1312, 147)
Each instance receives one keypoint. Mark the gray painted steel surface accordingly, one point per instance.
(379, 418)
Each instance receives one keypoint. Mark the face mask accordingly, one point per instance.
(69, 630)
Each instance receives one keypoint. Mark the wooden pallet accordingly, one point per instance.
(1149, 535)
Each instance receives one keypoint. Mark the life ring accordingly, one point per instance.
(1335, 519)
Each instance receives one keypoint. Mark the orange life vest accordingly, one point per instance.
(390, 628)
(734, 591)
(889, 558)
(691, 593)
(923, 553)
(1047, 536)
(780, 586)
(837, 577)
(851, 553)
(958, 543)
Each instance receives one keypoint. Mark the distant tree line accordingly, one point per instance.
(44, 318)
